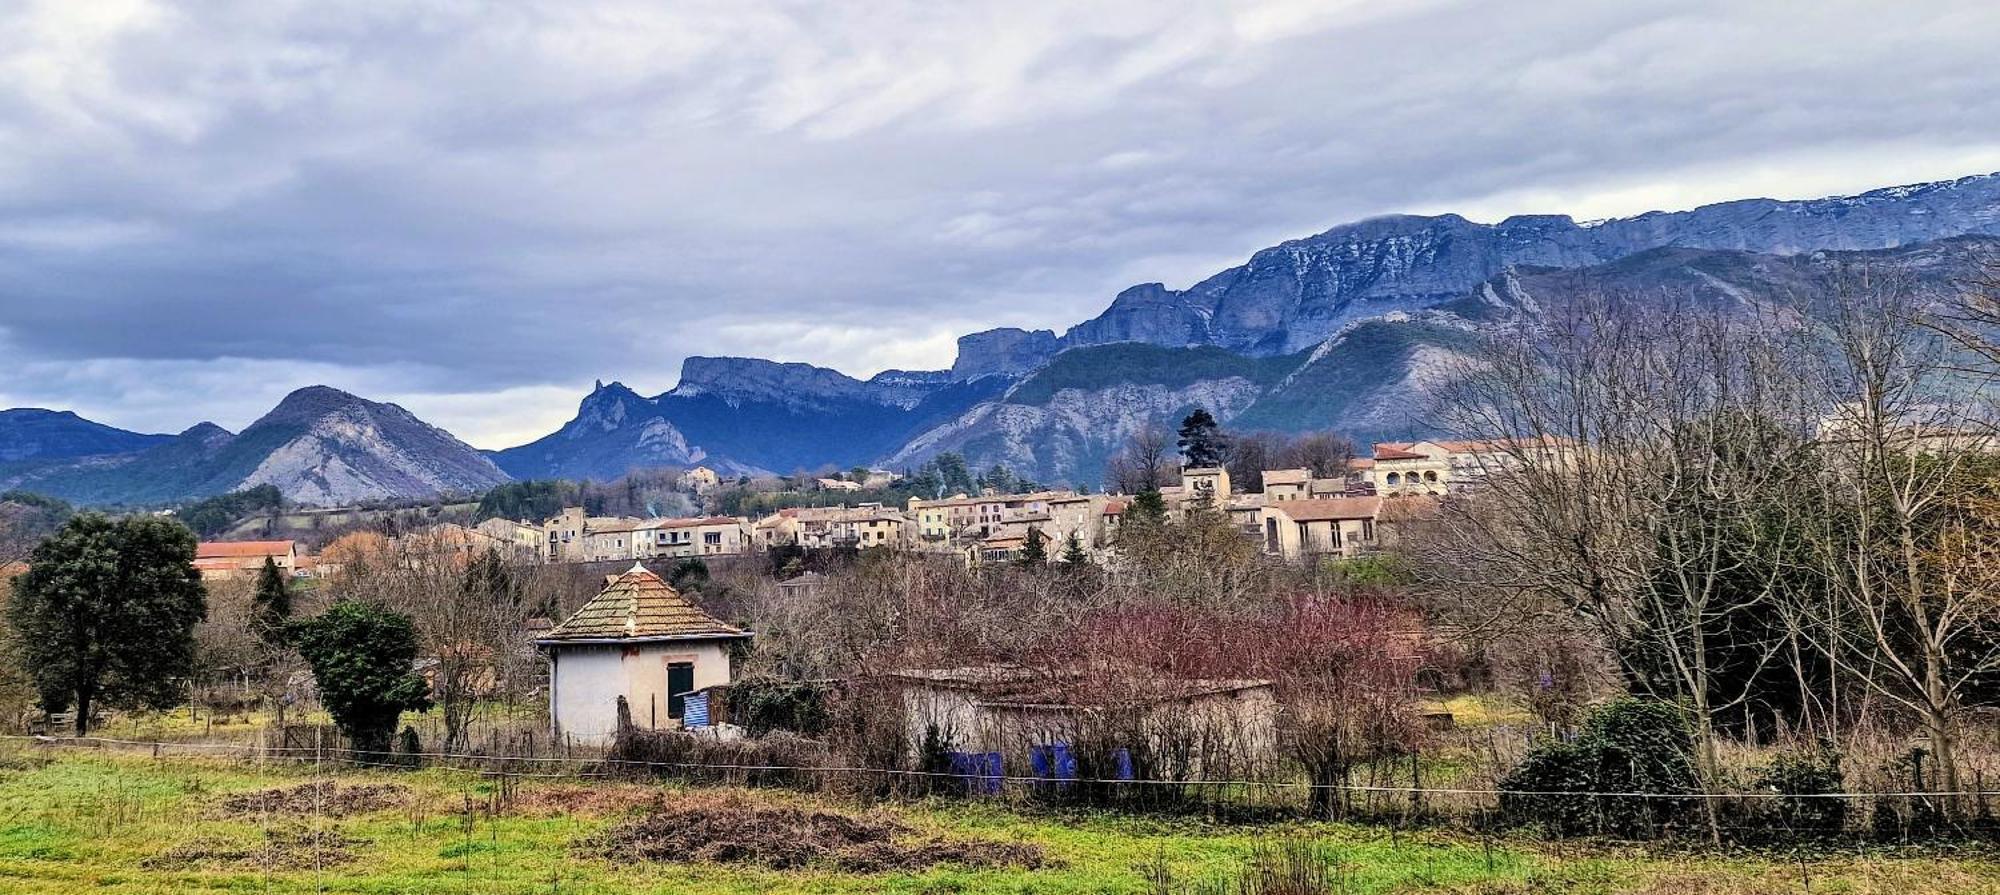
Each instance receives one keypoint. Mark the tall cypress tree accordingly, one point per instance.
(271, 605)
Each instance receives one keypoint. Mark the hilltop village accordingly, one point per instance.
(1293, 514)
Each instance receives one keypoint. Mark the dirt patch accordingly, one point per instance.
(283, 848)
(325, 798)
(588, 801)
(732, 829)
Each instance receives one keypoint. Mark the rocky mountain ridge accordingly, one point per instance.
(1298, 293)
(1351, 329)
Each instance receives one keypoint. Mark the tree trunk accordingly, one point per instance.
(83, 699)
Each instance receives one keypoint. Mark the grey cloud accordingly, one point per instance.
(451, 203)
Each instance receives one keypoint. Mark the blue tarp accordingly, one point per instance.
(981, 771)
(1053, 761)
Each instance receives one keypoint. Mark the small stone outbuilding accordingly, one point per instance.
(640, 639)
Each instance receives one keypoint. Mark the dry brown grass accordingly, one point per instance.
(602, 799)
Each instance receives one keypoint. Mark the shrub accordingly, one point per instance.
(765, 704)
(1629, 746)
(360, 655)
(1551, 786)
(1804, 780)
(410, 746)
(778, 760)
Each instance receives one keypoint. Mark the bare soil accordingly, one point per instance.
(730, 829)
(283, 848)
(326, 799)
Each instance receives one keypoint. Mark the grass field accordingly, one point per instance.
(74, 822)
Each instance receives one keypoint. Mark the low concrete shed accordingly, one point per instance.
(1012, 712)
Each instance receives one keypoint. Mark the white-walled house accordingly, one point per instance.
(640, 639)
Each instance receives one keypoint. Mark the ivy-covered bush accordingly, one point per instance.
(762, 704)
(1627, 774)
(1807, 780)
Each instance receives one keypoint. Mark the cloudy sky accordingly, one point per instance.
(475, 209)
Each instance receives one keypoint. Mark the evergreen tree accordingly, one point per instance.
(1033, 554)
(271, 605)
(997, 478)
(1202, 443)
(953, 472)
(1074, 556)
(361, 658)
(1147, 508)
(106, 614)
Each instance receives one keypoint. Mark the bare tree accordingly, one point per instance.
(470, 607)
(1324, 453)
(1249, 455)
(1145, 463)
(1636, 445)
(1971, 318)
(1903, 544)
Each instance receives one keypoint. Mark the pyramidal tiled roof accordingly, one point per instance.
(639, 606)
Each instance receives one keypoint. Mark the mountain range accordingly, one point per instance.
(1350, 329)
(318, 446)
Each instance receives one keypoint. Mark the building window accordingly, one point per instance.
(1334, 528)
(680, 682)
(1395, 478)
(1431, 476)
(1368, 530)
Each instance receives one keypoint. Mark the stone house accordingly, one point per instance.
(639, 639)
(526, 540)
(1329, 526)
(230, 560)
(700, 479)
(1437, 467)
(684, 538)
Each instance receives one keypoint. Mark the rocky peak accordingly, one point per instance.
(315, 402)
(1006, 351)
(607, 407)
(738, 380)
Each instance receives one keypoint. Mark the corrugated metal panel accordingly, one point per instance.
(694, 711)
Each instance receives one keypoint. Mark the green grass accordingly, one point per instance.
(86, 822)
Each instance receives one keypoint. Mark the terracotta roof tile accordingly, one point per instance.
(1325, 508)
(242, 549)
(639, 606)
(1382, 453)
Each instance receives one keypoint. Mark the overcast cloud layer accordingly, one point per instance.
(475, 209)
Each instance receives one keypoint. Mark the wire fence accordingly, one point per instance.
(497, 764)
